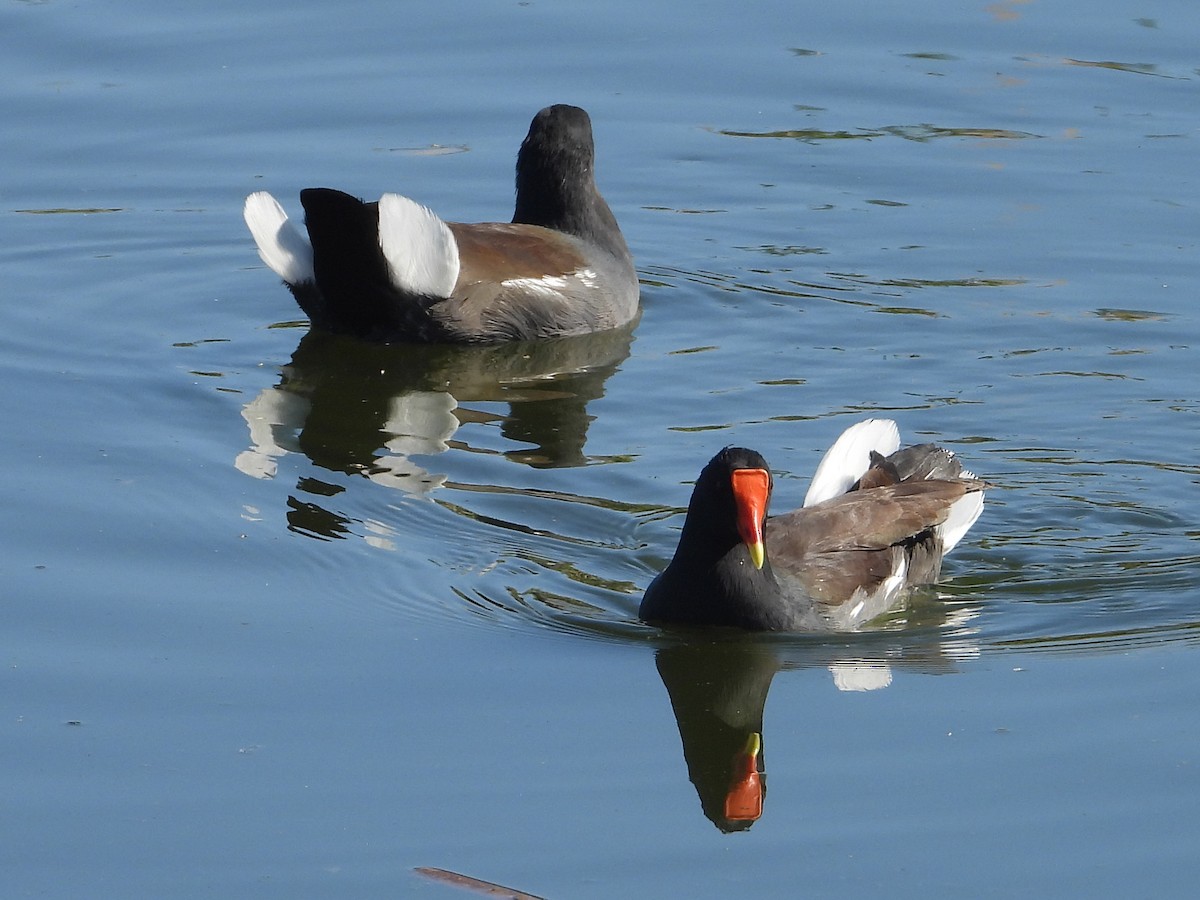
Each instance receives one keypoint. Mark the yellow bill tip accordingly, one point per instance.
(757, 553)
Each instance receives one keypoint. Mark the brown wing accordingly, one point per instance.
(492, 252)
(872, 519)
(522, 281)
(856, 540)
(881, 472)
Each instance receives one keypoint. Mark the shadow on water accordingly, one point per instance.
(362, 409)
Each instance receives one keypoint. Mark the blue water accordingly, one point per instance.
(291, 616)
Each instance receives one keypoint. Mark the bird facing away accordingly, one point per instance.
(392, 270)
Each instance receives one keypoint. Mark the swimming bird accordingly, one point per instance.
(876, 521)
(392, 270)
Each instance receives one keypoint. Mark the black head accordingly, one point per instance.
(555, 167)
(717, 515)
(555, 178)
(719, 574)
(556, 185)
(714, 487)
(560, 138)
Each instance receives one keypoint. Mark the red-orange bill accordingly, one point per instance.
(751, 491)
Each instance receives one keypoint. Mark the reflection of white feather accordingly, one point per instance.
(420, 424)
(860, 677)
(286, 251)
(850, 456)
(274, 417)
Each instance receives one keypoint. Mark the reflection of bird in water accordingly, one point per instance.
(875, 523)
(418, 423)
(394, 271)
(747, 790)
(718, 683)
(718, 690)
(369, 409)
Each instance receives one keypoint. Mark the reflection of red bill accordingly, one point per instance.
(744, 799)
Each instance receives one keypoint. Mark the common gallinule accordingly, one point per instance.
(875, 522)
(392, 270)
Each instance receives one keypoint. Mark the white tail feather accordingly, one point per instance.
(286, 251)
(850, 457)
(420, 248)
(963, 513)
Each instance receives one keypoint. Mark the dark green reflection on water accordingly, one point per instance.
(366, 409)
(920, 133)
(718, 682)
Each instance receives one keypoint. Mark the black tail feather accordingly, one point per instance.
(356, 293)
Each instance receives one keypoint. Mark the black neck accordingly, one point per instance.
(557, 190)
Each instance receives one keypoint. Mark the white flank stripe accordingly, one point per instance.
(284, 249)
(850, 457)
(420, 249)
(548, 285)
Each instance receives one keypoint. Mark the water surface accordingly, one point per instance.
(287, 615)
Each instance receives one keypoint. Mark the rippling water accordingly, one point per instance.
(293, 615)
